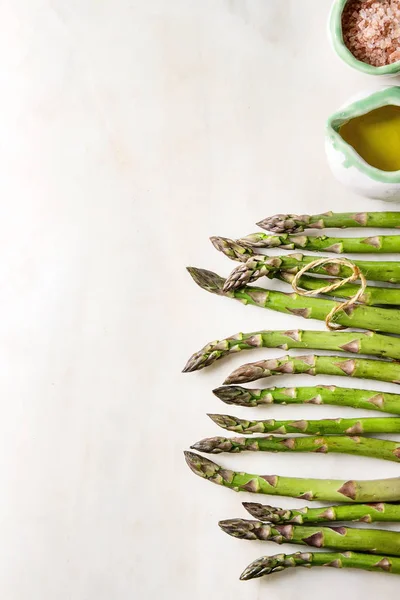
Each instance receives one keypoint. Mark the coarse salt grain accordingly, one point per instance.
(371, 30)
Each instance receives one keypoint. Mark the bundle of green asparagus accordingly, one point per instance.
(285, 268)
(337, 538)
(376, 313)
(257, 266)
(343, 540)
(261, 265)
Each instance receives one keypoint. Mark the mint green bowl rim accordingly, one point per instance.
(386, 97)
(335, 28)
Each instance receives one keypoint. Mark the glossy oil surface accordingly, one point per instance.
(376, 137)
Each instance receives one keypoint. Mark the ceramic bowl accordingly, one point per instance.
(336, 39)
(345, 162)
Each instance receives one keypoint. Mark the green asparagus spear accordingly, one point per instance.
(366, 513)
(323, 394)
(362, 317)
(374, 541)
(261, 265)
(357, 343)
(377, 244)
(296, 223)
(338, 444)
(346, 560)
(325, 490)
(313, 427)
(311, 364)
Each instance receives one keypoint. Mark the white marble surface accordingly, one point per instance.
(130, 132)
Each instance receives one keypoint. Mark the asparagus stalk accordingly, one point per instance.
(362, 317)
(324, 394)
(366, 513)
(313, 427)
(346, 560)
(374, 541)
(261, 265)
(373, 295)
(377, 244)
(342, 444)
(357, 343)
(311, 364)
(297, 223)
(325, 490)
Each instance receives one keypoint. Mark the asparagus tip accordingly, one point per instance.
(218, 419)
(279, 562)
(218, 242)
(232, 395)
(264, 223)
(229, 286)
(281, 224)
(213, 445)
(227, 525)
(231, 248)
(246, 575)
(239, 528)
(253, 571)
(245, 373)
(259, 511)
(209, 281)
(262, 566)
(193, 364)
(194, 462)
(201, 466)
(238, 278)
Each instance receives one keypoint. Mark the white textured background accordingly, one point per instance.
(130, 132)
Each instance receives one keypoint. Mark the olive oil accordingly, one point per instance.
(375, 136)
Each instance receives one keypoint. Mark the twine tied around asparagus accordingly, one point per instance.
(357, 274)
